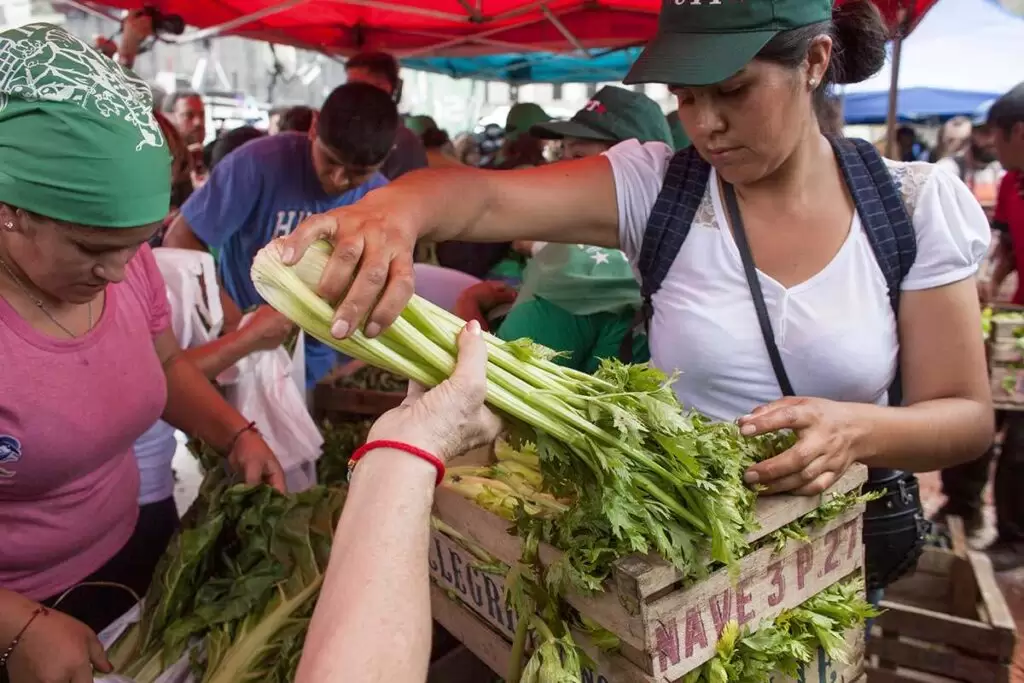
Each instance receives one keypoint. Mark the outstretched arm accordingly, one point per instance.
(569, 202)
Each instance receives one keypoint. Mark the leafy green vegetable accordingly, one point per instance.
(791, 640)
(833, 508)
(243, 582)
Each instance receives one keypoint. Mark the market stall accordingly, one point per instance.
(608, 537)
(437, 28)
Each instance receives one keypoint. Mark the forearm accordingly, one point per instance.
(217, 356)
(196, 407)
(181, 236)
(927, 436)
(15, 611)
(372, 620)
(569, 202)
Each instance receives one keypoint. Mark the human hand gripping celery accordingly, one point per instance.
(645, 475)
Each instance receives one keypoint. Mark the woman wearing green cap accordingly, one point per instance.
(89, 362)
(781, 275)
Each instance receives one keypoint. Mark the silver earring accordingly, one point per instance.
(813, 83)
(9, 225)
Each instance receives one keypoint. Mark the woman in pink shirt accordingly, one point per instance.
(87, 359)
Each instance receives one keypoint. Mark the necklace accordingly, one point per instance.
(39, 303)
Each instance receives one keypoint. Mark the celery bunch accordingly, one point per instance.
(643, 474)
(745, 656)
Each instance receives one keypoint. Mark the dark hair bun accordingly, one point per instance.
(859, 35)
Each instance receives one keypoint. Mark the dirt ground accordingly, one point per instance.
(1012, 583)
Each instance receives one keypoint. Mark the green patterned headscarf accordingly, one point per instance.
(78, 139)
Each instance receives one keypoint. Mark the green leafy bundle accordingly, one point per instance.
(791, 640)
(644, 476)
(243, 582)
(833, 508)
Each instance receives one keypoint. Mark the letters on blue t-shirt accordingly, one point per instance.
(259, 192)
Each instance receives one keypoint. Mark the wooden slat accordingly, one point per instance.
(642, 576)
(991, 596)
(494, 650)
(935, 561)
(682, 628)
(476, 635)
(937, 660)
(922, 624)
(904, 676)
(962, 586)
(453, 567)
(459, 666)
(926, 591)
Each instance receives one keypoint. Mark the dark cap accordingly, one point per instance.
(613, 115)
(700, 42)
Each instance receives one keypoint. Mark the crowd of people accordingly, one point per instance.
(731, 238)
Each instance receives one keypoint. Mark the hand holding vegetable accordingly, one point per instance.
(56, 649)
(267, 328)
(375, 237)
(829, 437)
(253, 459)
(450, 419)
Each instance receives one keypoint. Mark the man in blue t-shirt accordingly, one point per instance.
(264, 189)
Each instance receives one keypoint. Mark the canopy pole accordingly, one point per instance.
(894, 85)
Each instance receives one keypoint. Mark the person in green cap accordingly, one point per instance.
(521, 149)
(797, 281)
(89, 359)
(420, 123)
(576, 299)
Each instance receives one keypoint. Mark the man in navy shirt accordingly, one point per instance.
(264, 189)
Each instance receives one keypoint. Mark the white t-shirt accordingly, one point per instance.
(836, 331)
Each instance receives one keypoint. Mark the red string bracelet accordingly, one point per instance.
(398, 446)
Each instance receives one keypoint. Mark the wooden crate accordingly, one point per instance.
(494, 650)
(1007, 387)
(946, 622)
(334, 401)
(1003, 331)
(1003, 354)
(666, 629)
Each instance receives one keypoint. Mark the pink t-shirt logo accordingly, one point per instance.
(10, 453)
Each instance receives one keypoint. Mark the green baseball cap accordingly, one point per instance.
(613, 115)
(522, 117)
(420, 123)
(701, 42)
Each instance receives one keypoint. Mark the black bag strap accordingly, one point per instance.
(750, 270)
(884, 219)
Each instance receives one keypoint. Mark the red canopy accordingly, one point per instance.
(419, 28)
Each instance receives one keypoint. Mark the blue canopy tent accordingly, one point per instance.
(534, 67)
(962, 54)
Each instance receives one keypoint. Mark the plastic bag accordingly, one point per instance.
(266, 392)
(194, 295)
(192, 290)
(177, 673)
